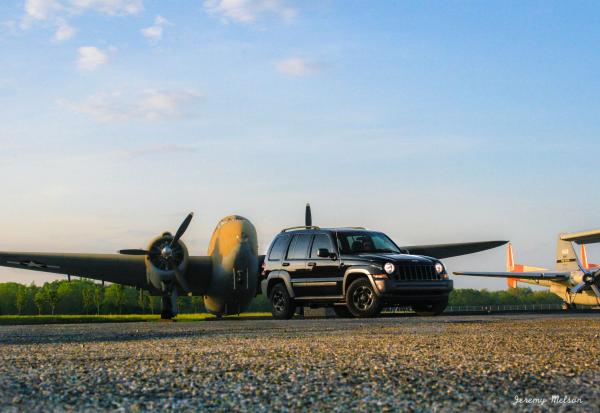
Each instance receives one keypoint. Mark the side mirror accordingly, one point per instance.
(323, 253)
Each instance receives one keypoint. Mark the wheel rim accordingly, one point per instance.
(362, 298)
(278, 301)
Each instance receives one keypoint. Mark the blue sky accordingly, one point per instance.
(432, 121)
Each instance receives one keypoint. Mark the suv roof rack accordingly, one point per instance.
(300, 227)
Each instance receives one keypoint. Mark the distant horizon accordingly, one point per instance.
(432, 122)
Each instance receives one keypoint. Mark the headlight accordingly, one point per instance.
(439, 268)
(389, 267)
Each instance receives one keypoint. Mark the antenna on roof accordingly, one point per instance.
(308, 216)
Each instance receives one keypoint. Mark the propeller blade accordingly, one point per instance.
(596, 290)
(578, 288)
(308, 216)
(178, 276)
(182, 228)
(134, 252)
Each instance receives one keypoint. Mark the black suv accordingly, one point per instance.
(356, 271)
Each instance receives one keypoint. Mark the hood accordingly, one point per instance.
(395, 258)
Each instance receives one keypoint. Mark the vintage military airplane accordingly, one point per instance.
(227, 277)
(575, 281)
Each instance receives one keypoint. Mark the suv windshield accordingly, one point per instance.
(359, 242)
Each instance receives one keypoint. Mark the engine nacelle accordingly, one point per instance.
(158, 270)
(233, 250)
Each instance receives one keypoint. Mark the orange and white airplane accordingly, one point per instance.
(575, 280)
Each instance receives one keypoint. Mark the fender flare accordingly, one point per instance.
(364, 273)
(277, 275)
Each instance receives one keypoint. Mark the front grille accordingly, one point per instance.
(416, 272)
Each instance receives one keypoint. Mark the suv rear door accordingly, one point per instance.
(295, 261)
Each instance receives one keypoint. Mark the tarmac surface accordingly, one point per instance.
(494, 363)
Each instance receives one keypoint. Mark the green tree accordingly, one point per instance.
(87, 297)
(40, 299)
(53, 297)
(152, 303)
(98, 297)
(115, 295)
(21, 298)
(142, 299)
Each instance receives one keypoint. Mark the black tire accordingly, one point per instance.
(282, 305)
(362, 300)
(431, 309)
(342, 311)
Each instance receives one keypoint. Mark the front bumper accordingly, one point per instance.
(407, 292)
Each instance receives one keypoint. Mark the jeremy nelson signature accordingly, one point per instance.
(554, 399)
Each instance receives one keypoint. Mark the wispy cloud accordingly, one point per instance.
(58, 12)
(155, 31)
(64, 31)
(249, 11)
(298, 66)
(90, 58)
(148, 105)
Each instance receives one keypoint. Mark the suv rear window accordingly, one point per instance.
(299, 247)
(278, 248)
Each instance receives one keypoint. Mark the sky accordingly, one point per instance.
(431, 121)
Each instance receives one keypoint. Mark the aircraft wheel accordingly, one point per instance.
(342, 311)
(166, 313)
(361, 299)
(429, 310)
(282, 305)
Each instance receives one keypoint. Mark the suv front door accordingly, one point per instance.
(323, 272)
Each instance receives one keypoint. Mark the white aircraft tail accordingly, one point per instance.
(516, 268)
(566, 257)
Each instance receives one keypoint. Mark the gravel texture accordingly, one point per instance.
(475, 363)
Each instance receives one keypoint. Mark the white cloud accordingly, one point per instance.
(64, 31)
(90, 58)
(248, 11)
(41, 9)
(150, 105)
(298, 66)
(59, 11)
(113, 7)
(155, 31)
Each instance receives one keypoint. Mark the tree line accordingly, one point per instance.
(87, 297)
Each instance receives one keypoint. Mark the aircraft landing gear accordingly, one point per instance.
(567, 306)
(169, 305)
(166, 313)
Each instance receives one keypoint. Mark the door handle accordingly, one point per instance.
(312, 264)
(285, 264)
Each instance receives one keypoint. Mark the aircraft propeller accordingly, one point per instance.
(308, 216)
(590, 279)
(166, 252)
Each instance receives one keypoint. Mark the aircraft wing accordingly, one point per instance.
(538, 275)
(583, 237)
(114, 268)
(452, 250)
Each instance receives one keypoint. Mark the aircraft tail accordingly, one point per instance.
(517, 268)
(584, 261)
(566, 258)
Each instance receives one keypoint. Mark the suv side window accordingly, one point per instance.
(278, 247)
(299, 247)
(321, 241)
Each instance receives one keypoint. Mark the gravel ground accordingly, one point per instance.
(475, 363)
